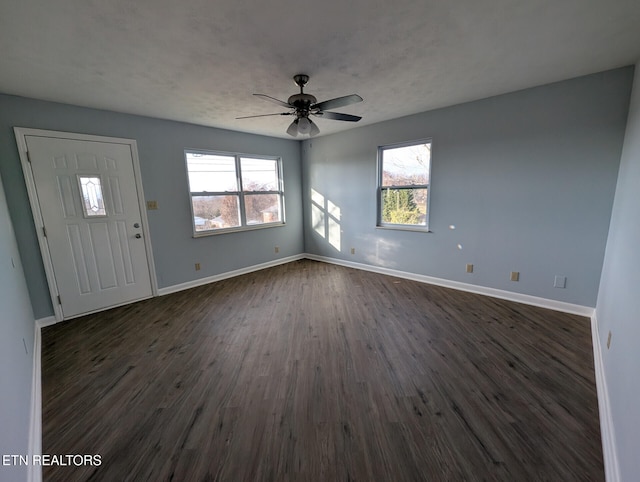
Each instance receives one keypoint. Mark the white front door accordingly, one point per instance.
(88, 199)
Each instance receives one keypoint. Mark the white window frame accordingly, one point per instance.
(381, 188)
(240, 194)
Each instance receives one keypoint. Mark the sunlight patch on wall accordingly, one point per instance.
(334, 225)
(384, 251)
(317, 213)
(334, 233)
(325, 219)
(317, 198)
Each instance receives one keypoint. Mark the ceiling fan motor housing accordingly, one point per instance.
(302, 102)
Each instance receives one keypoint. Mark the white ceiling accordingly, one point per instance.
(199, 61)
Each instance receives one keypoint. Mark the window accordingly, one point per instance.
(403, 185)
(231, 192)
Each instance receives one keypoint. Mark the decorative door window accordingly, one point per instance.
(92, 197)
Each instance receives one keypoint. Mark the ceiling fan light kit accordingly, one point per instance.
(304, 105)
(304, 125)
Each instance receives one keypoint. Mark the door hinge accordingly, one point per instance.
(59, 300)
(44, 231)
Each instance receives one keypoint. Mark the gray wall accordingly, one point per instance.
(618, 308)
(160, 146)
(527, 178)
(16, 361)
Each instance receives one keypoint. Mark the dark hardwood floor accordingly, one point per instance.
(315, 372)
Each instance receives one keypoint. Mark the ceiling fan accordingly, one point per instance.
(303, 105)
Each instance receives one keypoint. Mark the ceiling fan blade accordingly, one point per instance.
(338, 116)
(293, 129)
(337, 102)
(314, 129)
(264, 115)
(274, 100)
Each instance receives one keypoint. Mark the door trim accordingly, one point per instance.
(21, 133)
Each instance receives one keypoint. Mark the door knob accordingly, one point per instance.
(136, 225)
(138, 236)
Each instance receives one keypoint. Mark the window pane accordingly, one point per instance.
(262, 208)
(406, 166)
(215, 212)
(92, 199)
(259, 174)
(404, 206)
(211, 172)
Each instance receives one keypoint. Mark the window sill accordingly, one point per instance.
(217, 232)
(402, 227)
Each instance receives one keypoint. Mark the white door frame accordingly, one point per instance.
(21, 133)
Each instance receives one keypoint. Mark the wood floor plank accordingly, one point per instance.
(313, 372)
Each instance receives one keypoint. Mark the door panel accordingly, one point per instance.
(89, 204)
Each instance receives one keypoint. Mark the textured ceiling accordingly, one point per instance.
(199, 61)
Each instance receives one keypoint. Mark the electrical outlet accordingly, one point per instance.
(469, 268)
(151, 205)
(353, 250)
(197, 266)
(560, 282)
(609, 341)
(515, 276)
(277, 249)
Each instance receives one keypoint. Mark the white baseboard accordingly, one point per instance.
(48, 321)
(609, 452)
(35, 425)
(228, 274)
(494, 293)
